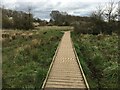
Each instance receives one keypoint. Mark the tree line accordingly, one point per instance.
(64, 19)
(12, 19)
(106, 18)
(103, 20)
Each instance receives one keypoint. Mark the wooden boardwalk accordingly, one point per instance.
(65, 72)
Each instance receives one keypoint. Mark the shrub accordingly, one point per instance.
(5, 35)
(83, 27)
(13, 37)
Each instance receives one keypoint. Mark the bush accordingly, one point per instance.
(83, 27)
(104, 27)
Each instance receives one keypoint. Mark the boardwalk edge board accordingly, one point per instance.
(78, 61)
(44, 83)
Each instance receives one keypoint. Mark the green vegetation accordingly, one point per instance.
(27, 56)
(102, 20)
(98, 55)
(12, 19)
(60, 28)
(64, 19)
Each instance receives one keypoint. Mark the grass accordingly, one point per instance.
(60, 28)
(26, 59)
(98, 55)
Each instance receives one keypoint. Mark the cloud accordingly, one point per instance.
(42, 8)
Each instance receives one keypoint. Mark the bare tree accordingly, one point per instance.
(118, 11)
(30, 17)
(110, 14)
(99, 12)
(29, 14)
(98, 19)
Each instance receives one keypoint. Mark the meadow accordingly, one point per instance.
(98, 55)
(26, 56)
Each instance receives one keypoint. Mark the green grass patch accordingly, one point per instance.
(98, 55)
(27, 58)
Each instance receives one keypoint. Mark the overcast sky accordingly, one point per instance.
(42, 8)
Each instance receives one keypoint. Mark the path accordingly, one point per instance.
(65, 71)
